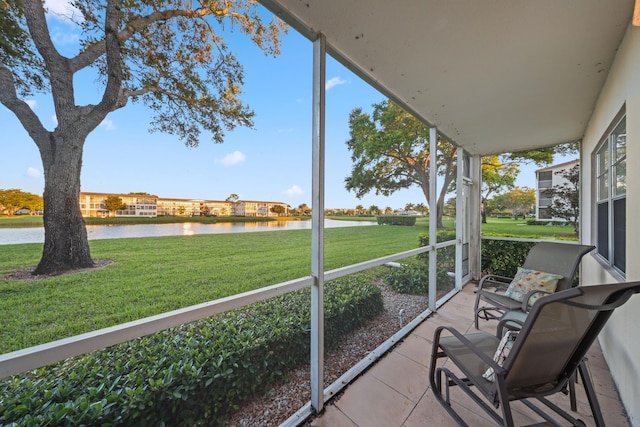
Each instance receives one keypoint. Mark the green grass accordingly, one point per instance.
(507, 227)
(154, 275)
(19, 221)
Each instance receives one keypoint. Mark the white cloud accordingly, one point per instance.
(62, 10)
(31, 103)
(64, 38)
(293, 191)
(335, 81)
(107, 124)
(33, 172)
(233, 158)
(54, 119)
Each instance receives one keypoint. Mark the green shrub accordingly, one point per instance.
(409, 278)
(546, 222)
(396, 220)
(413, 278)
(446, 256)
(503, 257)
(190, 375)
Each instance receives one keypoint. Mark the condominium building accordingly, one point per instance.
(93, 205)
(179, 207)
(547, 178)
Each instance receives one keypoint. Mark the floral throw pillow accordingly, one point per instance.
(527, 280)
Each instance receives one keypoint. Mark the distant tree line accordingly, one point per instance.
(13, 200)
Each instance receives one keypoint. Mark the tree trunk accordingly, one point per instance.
(483, 211)
(66, 246)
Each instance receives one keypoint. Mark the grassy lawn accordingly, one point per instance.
(18, 221)
(154, 275)
(507, 227)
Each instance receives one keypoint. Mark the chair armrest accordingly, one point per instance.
(494, 280)
(486, 359)
(509, 324)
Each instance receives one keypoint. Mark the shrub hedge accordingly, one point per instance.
(396, 220)
(190, 375)
(413, 278)
(503, 257)
(546, 222)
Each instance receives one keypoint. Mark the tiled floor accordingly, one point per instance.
(395, 392)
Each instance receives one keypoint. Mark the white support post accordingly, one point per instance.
(317, 224)
(461, 213)
(475, 230)
(433, 215)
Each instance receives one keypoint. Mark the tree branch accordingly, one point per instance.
(97, 49)
(114, 63)
(34, 13)
(24, 113)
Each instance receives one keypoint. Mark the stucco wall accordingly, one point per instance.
(621, 338)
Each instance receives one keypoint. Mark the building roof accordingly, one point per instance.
(92, 193)
(493, 76)
(559, 166)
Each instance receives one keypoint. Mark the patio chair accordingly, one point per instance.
(548, 350)
(499, 294)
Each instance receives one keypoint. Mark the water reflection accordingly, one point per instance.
(10, 236)
(186, 229)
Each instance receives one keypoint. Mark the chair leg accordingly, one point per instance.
(591, 394)
(572, 392)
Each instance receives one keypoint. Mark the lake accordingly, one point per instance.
(10, 236)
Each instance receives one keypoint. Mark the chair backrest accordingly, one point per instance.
(557, 333)
(557, 258)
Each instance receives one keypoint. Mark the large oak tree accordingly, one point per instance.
(390, 151)
(169, 54)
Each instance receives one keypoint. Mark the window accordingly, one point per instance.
(611, 188)
(543, 213)
(545, 179)
(543, 199)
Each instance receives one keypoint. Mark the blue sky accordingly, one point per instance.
(271, 162)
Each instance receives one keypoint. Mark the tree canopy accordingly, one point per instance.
(519, 201)
(496, 176)
(169, 54)
(114, 203)
(565, 197)
(390, 151)
(13, 199)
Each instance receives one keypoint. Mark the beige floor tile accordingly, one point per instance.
(332, 417)
(407, 377)
(416, 348)
(429, 412)
(613, 412)
(371, 403)
(426, 329)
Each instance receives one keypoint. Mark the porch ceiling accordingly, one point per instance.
(492, 76)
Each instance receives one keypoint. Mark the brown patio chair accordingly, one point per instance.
(559, 260)
(548, 350)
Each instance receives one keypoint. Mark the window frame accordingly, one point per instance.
(610, 196)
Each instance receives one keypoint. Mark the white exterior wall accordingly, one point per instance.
(620, 339)
(556, 179)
